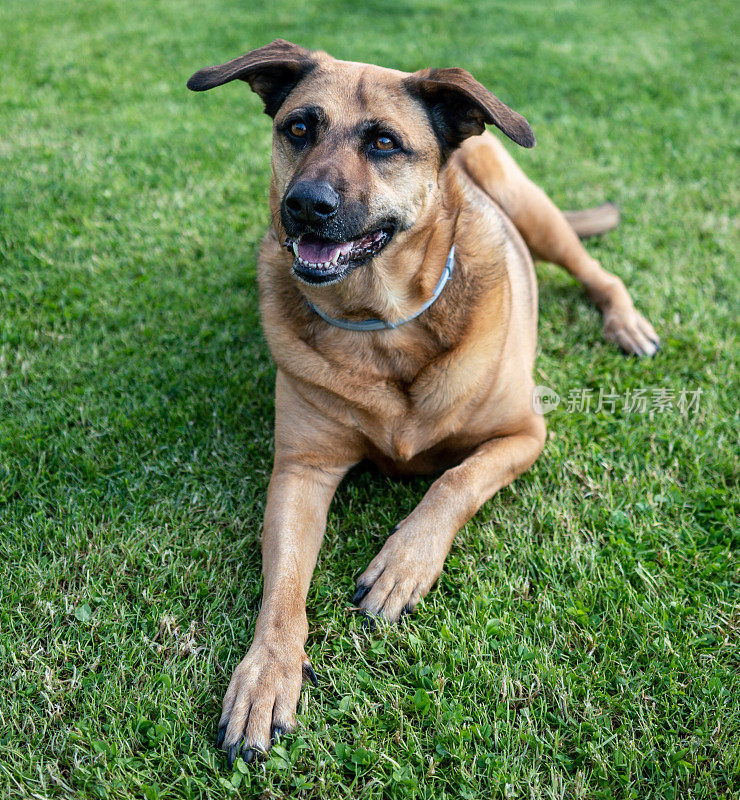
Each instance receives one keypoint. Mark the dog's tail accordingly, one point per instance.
(593, 221)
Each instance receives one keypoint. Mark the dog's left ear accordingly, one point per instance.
(460, 107)
(272, 71)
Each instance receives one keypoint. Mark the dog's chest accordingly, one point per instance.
(414, 399)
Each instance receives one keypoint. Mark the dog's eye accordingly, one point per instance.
(384, 142)
(298, 129)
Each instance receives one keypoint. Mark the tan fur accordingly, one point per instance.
(450, 390)
(593, 221)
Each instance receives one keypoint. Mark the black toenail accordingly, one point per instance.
(368, 622)
(362, 590)
(220, 735)
(310, 674)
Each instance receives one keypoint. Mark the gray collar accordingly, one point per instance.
(381, 325)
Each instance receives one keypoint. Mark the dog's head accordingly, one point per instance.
(357, 149)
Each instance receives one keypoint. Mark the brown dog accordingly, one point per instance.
(376, 174)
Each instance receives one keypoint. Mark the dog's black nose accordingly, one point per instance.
(311, 202)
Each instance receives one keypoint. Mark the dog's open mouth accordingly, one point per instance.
(318, 260)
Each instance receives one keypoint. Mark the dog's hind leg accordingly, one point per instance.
(552, 235)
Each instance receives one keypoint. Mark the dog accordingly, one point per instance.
(399, 302)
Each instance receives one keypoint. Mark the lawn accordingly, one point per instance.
(583, 639)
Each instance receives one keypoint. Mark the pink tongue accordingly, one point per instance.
(317, 251)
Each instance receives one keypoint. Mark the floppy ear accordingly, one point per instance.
(460, 107)
(272, 71)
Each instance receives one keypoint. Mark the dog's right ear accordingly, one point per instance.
(460, 107)
(272, 71)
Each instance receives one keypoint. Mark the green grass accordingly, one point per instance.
(583, 640)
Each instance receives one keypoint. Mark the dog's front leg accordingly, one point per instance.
(262, 697)
(412, 558)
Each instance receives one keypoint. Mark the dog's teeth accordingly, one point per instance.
(295, 250)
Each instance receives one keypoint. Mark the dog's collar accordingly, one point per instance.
(381, 325)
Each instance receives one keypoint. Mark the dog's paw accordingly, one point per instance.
(631, 332)
(397, 578)
(260, 704)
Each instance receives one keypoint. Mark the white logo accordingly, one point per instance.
(544, 399)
